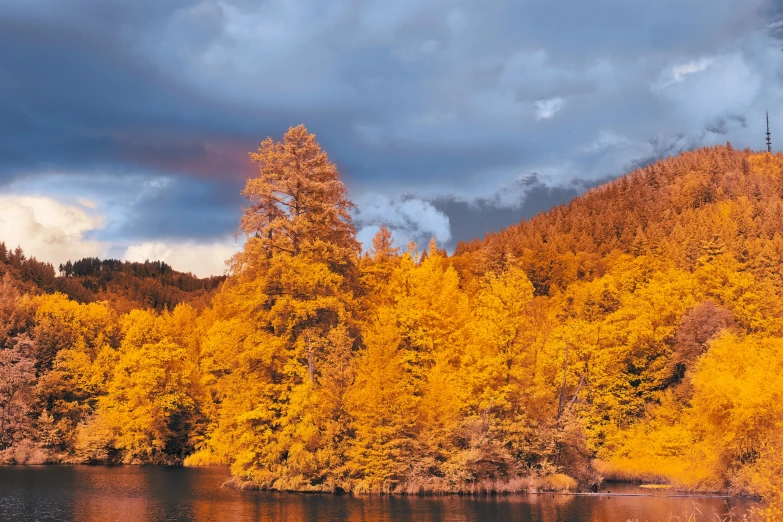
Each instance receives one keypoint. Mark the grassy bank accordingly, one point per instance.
(557, 483)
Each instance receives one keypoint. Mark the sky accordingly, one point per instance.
(125, 126)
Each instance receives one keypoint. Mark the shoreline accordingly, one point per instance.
(229, 484)
(606, 494)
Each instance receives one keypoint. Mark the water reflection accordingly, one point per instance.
(84, 493)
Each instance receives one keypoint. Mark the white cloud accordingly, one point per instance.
(55, 232)
(692, 67)
(408, 218)
(678, 73)
(711, 87)
(546, 109)
(606, 140)
(202, 259)
(48, 229)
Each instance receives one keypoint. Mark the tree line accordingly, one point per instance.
(125, 285)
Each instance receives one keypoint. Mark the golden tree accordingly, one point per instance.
(298, 204)
(294, 287)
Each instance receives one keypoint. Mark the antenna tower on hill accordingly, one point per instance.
(769, 140)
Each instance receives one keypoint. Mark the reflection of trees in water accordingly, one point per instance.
(139, 494)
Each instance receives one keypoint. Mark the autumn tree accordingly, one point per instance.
(298, 205)
(14, 314)
(297, 279)
(698, 326)
(383, 406)
(17, 375)
(150, 404)
(377, 267)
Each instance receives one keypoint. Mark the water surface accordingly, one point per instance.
(134, 493)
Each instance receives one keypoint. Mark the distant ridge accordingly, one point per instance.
(671, 207)
(125, 285)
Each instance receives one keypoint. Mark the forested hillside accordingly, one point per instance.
(666, 284)
(129, 285)
(124, 285)
(635, 333)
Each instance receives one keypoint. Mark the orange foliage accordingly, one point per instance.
(642, 324)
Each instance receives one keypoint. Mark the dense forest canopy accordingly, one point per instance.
(635, 333)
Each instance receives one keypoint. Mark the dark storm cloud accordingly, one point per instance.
(773, 12)
(69, 101)
(452, 104)
(474, 219)
(178, 207)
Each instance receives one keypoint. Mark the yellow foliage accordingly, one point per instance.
(203, 458)
(556, 482)
(149, 400)
(726, 436)
(640, 329)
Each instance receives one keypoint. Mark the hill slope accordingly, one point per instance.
(125, 285)
(673, 208)
(667, 286)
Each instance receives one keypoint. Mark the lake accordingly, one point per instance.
(134, 493)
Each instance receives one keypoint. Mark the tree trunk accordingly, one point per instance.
(562, 390)
(310, 360)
